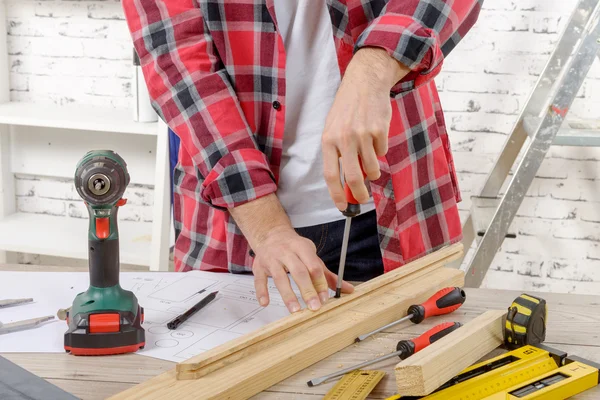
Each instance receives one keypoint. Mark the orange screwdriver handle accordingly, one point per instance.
(443, 302)
(410, 347)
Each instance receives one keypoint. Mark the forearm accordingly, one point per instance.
(259, 217)
(377, 67)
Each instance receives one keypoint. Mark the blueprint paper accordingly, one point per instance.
(163, 295)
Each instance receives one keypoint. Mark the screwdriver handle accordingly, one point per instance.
(410, 347)
(443, 302)
(353, 208)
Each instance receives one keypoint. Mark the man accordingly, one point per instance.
(267, 96)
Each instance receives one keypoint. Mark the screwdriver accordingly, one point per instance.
(443, 302)
(350, 212)
(404, 349)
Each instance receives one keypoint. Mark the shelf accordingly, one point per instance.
(88, 118)
(67, 237)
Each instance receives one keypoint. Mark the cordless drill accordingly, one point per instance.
(105, 319)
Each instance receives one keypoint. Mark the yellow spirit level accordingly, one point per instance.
(528, 373)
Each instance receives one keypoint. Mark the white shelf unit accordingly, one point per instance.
(67, 237)
(87, 118)
(140, 243)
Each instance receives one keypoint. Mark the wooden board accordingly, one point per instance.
(277, 331)
(332, 332)
(433, 366)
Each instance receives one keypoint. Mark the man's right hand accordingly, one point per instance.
(278, 250)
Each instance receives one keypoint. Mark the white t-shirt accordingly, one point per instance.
(312, 79)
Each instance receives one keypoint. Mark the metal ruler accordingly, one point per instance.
(355, 386)
(528, 373)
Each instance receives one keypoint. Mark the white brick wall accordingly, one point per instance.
(56, 46)
(78, 52)
(46, 195)
(484, 86)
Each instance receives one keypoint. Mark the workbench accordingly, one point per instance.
(573, 326)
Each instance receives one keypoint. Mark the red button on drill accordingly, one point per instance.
(102, 228)
(105, 323)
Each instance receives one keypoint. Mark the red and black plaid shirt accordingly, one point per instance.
(216, 74)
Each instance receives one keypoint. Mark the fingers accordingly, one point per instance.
(282, 282)
(332, 282)
(331, 173)
(261, 285)
(380, 144)
(304, 281)
(316, 269)
(368, 157)
(353, 176)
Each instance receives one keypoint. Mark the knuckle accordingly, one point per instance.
(330, 176)
(314, 270)
(328, 139)
(354, 179)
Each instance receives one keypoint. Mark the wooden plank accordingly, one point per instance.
(433, 366)
(246, 345)
(334, 331)
(362, 306)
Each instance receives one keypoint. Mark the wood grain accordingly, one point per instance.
(422, 373)
(332, 333)
(277, 331)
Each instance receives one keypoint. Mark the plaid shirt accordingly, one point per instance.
(215, 71)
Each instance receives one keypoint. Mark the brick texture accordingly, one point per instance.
(53, 196)
(56, 46)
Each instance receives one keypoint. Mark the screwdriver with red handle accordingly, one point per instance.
(444, 301)
(351, 211)
(404, 349)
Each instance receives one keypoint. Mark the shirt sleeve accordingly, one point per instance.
(191, 91)
(419, 34)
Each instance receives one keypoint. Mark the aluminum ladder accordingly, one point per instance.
(541, 120)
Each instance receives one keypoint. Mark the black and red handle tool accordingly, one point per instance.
(444, 301)
(404, 349)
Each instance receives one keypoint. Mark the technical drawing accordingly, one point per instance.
(182, 289)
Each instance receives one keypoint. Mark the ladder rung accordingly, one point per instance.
(572, 133)
(482, 212)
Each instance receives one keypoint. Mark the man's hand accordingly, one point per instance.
(278, 250)
(358, 123)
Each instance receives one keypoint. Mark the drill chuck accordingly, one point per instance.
(101, 178)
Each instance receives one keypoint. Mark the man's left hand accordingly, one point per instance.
(357, 125)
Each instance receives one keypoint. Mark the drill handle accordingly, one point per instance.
(103, 249)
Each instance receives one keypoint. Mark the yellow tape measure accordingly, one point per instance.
(355, 386)
(525, 322)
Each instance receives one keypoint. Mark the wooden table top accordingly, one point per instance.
(573, 326)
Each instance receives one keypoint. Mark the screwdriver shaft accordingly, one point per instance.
(338, 289)
(366, 335)
(14, 302)
(22, 325)
(322, 379)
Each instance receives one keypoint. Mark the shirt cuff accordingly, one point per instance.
(239, 177)
(409, 42)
